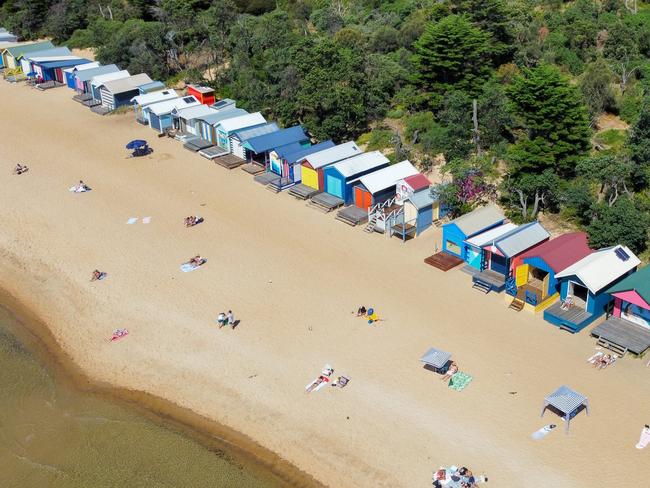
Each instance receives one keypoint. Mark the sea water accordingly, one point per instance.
(54, 436)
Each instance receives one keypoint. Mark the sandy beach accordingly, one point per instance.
(292, 276)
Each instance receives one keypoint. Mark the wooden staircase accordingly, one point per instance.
(480, 285)
(615, 348)
(517, 305)
(372, 222)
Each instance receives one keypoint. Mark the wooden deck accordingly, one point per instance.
(48, 85)
(352, 215)
(253, 168)
(213, 152)
(404, 231)
(82, 97)
(100, 110)
(325, 202)
(303, 192)
(573, 319)
(280, 184)
(620, 332)
(197, 144)
(229, 161)
(91, 103)
(488, 280)
(266, 178)
(443, 261)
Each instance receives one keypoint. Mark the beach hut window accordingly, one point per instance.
(453, 247)
(579, 294)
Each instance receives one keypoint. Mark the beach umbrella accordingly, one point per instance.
(136, 144)
(31, 74)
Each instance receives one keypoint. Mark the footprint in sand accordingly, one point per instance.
(163, 157)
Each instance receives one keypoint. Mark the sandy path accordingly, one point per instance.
(292, 275)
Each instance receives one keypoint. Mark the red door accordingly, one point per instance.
(362, 198)
(58, 74)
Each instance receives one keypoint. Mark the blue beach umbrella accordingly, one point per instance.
(31, 74)
(136, 144)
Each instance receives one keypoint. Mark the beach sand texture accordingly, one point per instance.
(293, 276)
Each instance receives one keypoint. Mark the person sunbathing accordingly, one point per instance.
(97, 275)
(361, 312)
(318, 381)
(20, 169)
(603, 361)
(453, 369)
(196, 261)
(190, 221)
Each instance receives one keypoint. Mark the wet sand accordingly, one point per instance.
(293, 276)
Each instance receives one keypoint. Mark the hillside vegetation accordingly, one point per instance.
(406, 75)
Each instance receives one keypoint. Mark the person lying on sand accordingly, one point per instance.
(603, 361)
(453, 369)
(190, 221)
(20, 169)
(98, 275)
(81, 186)
(196, 261)
(361, 312)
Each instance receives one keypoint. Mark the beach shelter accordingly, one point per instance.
(159, 115)
(206, 125)
(185, 118)
(284, 161)
(474, 245)
(238, 138)
(567, 403)
(258, 147)
(98, 80)
(83, 78)
(584, 285)
(11, 55)
(227, 127)
(141, 101)
(437, 360)
(154, 86)
(116, 93)
(70, 73)
(340, 178)
(628, 328)
(457, 231)
(535, 270)
(203, 94)
(313, 166)
(380, 186)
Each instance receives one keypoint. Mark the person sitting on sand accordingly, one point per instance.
(190, 221)
(230, 319)
(453, 369)
(97, 275)
(20, 169)
(361, 312)
(221, 319)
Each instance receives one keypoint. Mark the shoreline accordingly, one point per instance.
(216, 437)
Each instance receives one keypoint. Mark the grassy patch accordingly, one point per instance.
(612, 139)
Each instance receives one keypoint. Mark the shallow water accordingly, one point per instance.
(52, 435)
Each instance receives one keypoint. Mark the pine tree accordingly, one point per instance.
(639, 146)
(452, 54)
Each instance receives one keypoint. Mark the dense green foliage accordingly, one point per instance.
(404, 76)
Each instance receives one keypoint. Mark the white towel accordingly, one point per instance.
(543, 432)
(132, 220)
(644, 440)
(146, 220)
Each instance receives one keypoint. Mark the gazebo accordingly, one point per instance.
(567, 402)
(438, 360)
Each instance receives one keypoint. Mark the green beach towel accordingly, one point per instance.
(459, 381)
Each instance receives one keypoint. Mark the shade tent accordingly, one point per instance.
(436, 359)
(567, 402)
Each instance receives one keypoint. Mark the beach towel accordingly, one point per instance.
(146, 220)
(644, 440)
(310, 388)
(459, 381)
(593, 358)
(132, 220)
(76, 189)
(118, 334)
(187, 267)
(543, 432)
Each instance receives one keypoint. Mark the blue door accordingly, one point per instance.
(334, 186)
(474, 257)
(499, 264)
(155, 121)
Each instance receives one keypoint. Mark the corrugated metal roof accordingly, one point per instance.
(236, 123)
(563, 251)
(153, 86)
(154, 97)
(89, 74)
(127, 84)
(418, 181)
(194, 112)
(639, 281)
(333, 155)
(435, 357)
(387, 177)
(104, 77)
(223, 114)
(226, 102)
(44, 53)
(245, 134)
(360, 163)
(565, 399)
(21, 49)
(167, 106)
(489, 236)
(421, 199)
(601, 268)
(83, 67)
(279, 138)
(478, 219)
(523, 237)
(295, 155)
(59, 63)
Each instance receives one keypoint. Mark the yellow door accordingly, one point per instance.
(545, 286)
(521, 275)
(310, 177)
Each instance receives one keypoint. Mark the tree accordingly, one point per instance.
(610, 172)
(536, 190)
(494, 118)
(623, 223)
(639, 147)
(622, 51)
(451, 55)
(492, 16)
(555, 121)
(596, 88)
